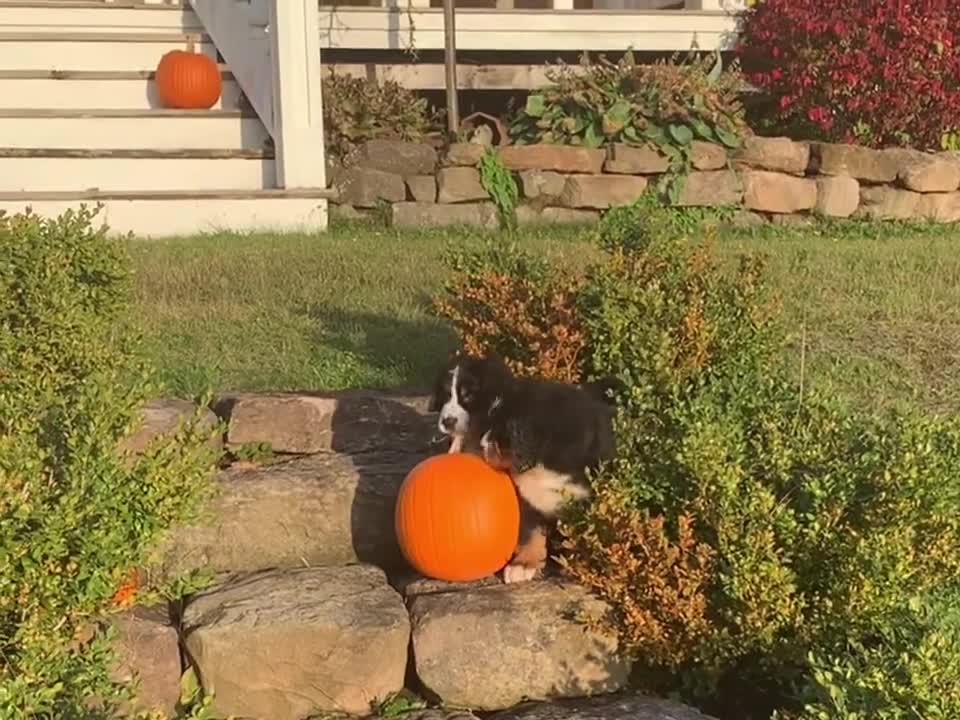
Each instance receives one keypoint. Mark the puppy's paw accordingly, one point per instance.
(518, 573)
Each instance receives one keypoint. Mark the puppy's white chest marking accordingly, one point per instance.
(548, 491)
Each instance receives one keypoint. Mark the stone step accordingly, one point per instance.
(347, 421)
(317, 510)
(491, 647)
(287, 644)
(331, 507)
(622, 706)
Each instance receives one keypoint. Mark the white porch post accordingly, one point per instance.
(297, 102)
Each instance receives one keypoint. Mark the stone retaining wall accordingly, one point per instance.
(313, 612)
(770, 179)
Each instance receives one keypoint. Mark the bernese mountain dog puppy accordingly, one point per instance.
(548, 435)
(463, 394)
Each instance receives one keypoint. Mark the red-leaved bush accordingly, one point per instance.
(876, 72)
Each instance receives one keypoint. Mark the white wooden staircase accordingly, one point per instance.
(80, 123)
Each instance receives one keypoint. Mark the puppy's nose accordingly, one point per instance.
(448, 423)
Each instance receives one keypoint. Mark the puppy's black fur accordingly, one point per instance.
(565, 429)
(548, 435)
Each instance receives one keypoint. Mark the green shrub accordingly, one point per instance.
(357, 109)
(500, 186)
(665, 105)
(75, 514)
(745, 524)
(909, 670)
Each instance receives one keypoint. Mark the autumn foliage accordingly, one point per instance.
(875, 72)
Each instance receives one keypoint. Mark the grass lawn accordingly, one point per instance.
(877, 304)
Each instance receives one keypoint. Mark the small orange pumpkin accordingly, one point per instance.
(126, 594)
(188, 80)
(457, 518)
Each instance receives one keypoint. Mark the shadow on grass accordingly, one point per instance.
(395, 351)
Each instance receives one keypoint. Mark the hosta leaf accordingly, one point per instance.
(731, 140)
(655, 132)
(631, 134)
(620, 111)
(592, 137)
(702, 129)
(535, 105)
(671, 151)
(682, 134)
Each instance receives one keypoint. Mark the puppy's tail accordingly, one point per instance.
(605, 389)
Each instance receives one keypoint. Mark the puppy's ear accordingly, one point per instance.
(496, 375)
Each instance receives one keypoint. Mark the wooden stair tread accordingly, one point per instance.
(138, 154)
(97, 195)
(119, 36)
(91, 74)
(120, 113)
(94, 4)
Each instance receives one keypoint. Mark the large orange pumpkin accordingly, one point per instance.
(188, 80)
(457, 518)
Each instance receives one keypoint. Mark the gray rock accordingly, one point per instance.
(464, 154)
(346, 421)
(147, 648)
(632, 160)
(414, 214)
(779, 154)
(326, 509)
(559, 158)
(162, 418)
(600, 192)
(712, 188)
(777, 193)
(528, 215)
(930, 174)
(287, 644)
(610, 707)
(940, 207)
(838, 196)
(366, 187)
(459, 184)
(887, 203)
(708, 156)
(537, 183)
(397, 157)
(423, 188)
(857, 162)
(346, 212)
(492, 647)
(410, 584)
